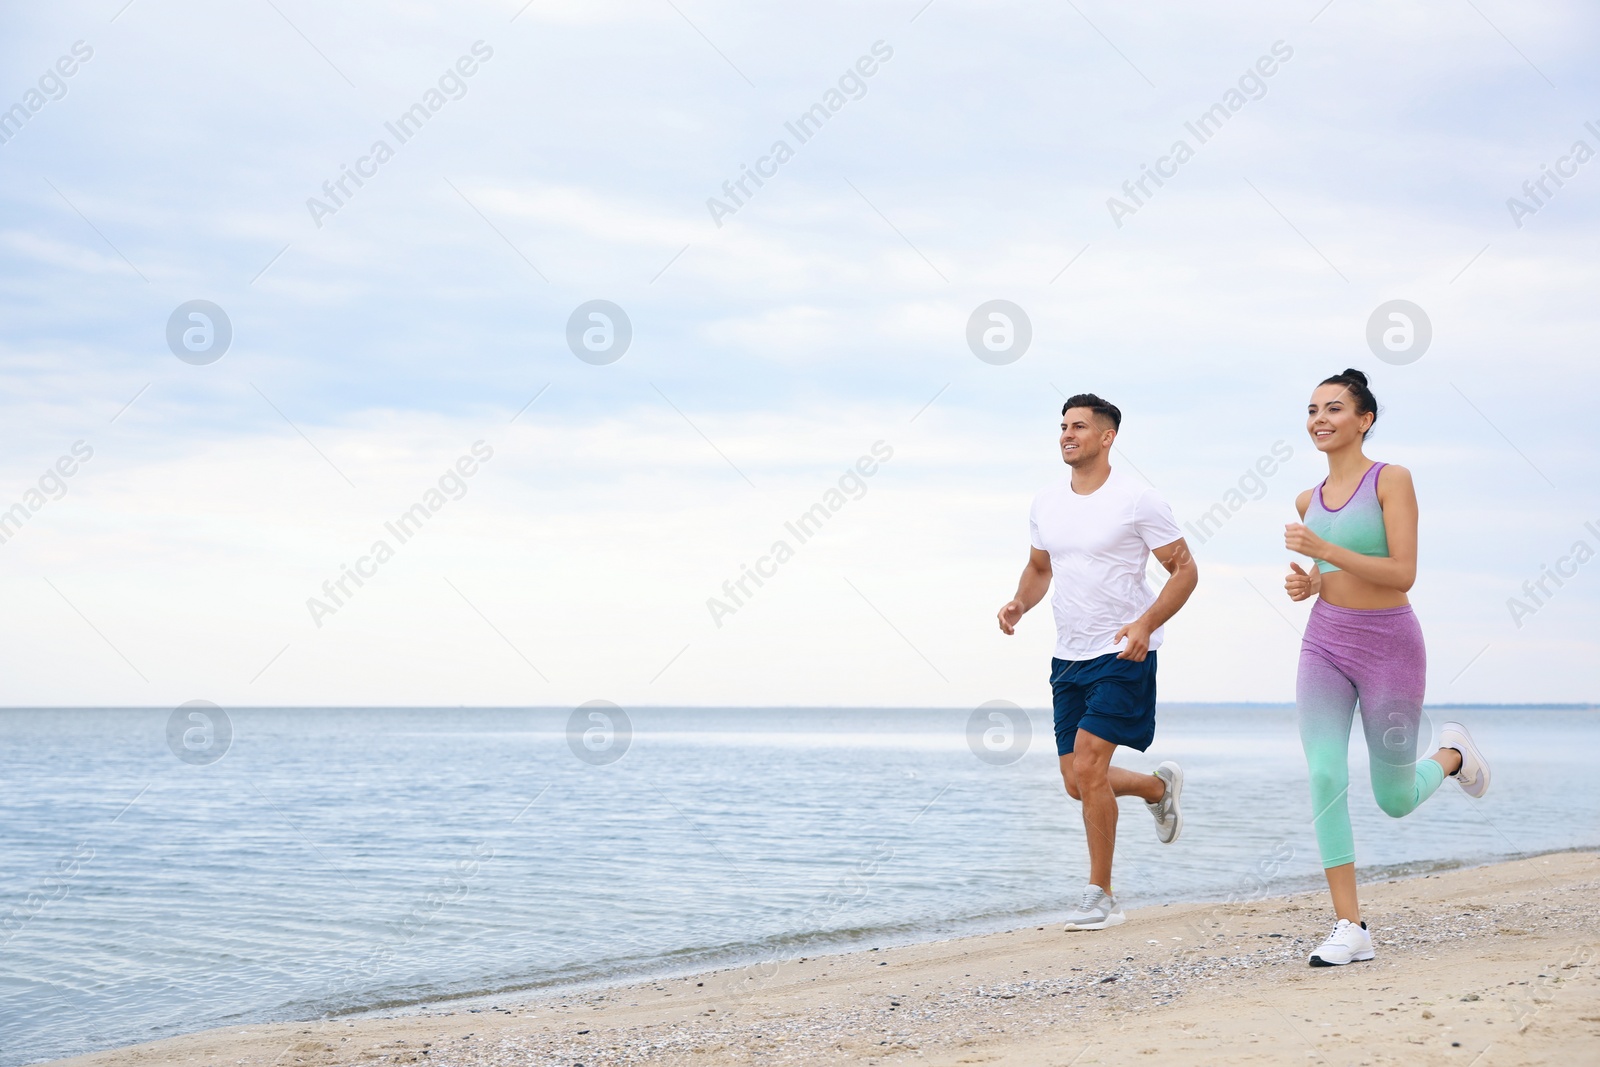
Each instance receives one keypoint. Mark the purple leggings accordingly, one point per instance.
(1375, 659)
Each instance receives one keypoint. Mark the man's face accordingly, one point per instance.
(1082, 437)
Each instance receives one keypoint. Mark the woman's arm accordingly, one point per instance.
(1398, 570)
(1299, 583)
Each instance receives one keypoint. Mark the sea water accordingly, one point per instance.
(342, 860)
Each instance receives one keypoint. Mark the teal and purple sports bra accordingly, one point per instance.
(1357, 524)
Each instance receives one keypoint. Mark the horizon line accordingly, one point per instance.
(1548, 705)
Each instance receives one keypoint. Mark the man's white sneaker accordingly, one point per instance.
(1096, 911)
(1347, 943)
(1169, 820)
(1474, 773)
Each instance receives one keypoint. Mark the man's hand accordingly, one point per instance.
(1031, 588)
(1301, 584)
(1138, 635)
(1297, 537)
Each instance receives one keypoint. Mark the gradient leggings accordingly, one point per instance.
(1377, 659)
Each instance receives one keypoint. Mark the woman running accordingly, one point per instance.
(1362, 646)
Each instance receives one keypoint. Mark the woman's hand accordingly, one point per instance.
(1301, 584)
(1297, 537)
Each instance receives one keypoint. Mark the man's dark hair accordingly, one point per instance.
(1103, 408)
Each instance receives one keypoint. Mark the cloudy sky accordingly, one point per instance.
(560, 153)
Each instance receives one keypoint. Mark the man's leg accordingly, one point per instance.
(1098, 784)
(1124, 783)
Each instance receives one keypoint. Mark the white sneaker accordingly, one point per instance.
(1474, 773)
(1169, 820)
(1096, 911)
(1347, 943)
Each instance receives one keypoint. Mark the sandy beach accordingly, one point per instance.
(1487, 966)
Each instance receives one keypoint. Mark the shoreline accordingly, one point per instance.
(821, 946)
(1223, 977)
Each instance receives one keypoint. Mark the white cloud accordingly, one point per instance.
(804, 329)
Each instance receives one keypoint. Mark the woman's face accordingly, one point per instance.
(1331, 419)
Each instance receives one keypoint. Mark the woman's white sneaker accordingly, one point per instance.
(1474, 773)
(1348, 942)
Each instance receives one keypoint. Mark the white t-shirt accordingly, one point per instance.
(1098, 547)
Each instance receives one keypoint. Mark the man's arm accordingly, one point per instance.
(1031, 588)
(1185, 575)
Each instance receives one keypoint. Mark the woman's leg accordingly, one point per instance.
(1326, 701)
(1391, 684)
(1342, 888)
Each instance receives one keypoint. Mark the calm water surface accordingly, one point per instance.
(345, 860)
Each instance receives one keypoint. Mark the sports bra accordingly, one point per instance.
(1357, 524)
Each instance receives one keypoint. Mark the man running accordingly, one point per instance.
(1094, 532)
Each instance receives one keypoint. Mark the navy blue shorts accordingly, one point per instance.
(1114, 699)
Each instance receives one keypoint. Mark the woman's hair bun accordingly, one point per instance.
(1351, 372)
